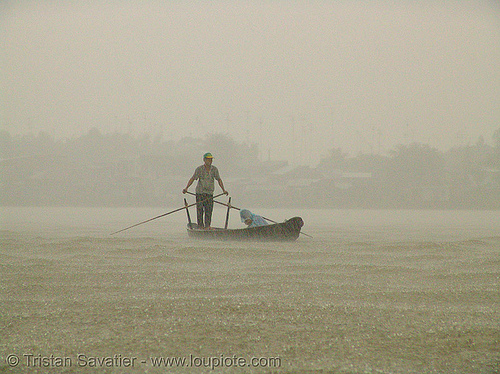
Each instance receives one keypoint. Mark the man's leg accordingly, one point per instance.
(199, 210)
(209, 207)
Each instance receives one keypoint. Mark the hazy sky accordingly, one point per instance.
(296, 77)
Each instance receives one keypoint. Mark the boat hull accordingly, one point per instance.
(285, 231)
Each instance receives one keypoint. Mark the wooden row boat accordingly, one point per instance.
(285, 231)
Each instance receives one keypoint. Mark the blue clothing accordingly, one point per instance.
(256, 219)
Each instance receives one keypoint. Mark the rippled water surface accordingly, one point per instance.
(371, 292)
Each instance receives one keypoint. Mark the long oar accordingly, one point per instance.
(165, 214)
(234, 207)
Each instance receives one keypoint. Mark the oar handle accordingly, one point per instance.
(232, 206)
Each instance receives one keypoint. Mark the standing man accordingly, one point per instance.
(205, 174)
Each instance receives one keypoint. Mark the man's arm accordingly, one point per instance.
(189, 183)
(219, 180)
(222, 186)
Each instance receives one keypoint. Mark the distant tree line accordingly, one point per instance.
(417, 175)
(120, 169)
(108, 169)
(96, 148)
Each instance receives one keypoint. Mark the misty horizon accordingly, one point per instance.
(117, 169)
(162, 139)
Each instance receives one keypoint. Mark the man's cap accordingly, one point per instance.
(208, 155)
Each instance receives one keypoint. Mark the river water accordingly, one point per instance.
(374, 291)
